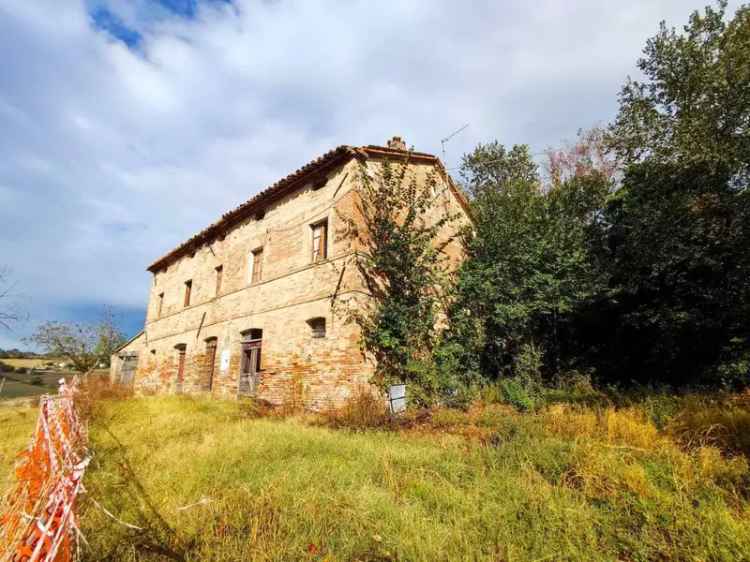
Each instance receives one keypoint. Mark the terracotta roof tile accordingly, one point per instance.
(285, 185)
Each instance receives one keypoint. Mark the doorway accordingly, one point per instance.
(208, 382)
(252, 341)
(181, 348)
(127, 370)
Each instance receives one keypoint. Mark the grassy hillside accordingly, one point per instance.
(207, 480)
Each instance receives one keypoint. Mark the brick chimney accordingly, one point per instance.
(397, 143)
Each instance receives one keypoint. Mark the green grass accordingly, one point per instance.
(562, 484)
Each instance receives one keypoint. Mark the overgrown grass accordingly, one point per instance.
(209, 480)
(16, 428)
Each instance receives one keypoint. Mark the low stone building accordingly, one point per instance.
(248, 306)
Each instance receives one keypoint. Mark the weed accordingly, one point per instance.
(365, 410)
(218, 480)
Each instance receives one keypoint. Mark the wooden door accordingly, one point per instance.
(210, 364)
(127, 371)
(249, 367)
(180, 369)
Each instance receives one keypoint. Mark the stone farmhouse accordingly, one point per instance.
(248, 306)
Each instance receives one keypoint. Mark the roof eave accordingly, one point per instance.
(321, 165)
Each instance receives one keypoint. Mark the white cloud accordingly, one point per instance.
(111, 156)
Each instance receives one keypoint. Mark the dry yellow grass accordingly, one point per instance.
(32, 363)
(211, 480)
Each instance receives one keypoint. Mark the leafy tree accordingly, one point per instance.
(490, 165)
(679, 275)
(83, 345)
(679, 231)
(693, 107)
(528, 261)
(403, 270)
(589, 154)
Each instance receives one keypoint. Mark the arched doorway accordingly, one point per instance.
(252, 341)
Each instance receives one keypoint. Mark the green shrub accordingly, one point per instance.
(515, 392)
(574, 387)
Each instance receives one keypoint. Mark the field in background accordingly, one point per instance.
(32, 384)
(32, 363)
(210, 480)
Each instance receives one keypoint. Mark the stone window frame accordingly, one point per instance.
(160, 307)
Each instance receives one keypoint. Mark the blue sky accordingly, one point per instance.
(128, 125)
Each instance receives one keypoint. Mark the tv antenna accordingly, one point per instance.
(449, 137)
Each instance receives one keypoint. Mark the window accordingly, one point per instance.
(188, 290)
(318, 327)
(319, 239)
(256, 265)
(161, 305)
(219, 273)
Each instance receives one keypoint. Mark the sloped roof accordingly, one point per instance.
(123, 345)
(308, 172)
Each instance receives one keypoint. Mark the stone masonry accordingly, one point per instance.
(294, 309)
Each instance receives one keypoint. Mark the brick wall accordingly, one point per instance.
(297, 368)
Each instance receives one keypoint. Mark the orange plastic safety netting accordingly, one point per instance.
(38, 515)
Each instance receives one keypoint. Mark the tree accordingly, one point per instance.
(83, 345)
(588, 155)
(679, 226)
(693, 108)
(403, 272)
(490, 165)
(528, 262)
(9, 313)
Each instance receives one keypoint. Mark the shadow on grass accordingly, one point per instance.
(156, 535)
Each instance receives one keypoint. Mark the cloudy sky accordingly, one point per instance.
(128, 125)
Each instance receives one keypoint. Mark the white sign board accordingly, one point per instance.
(397, 398)
(224, 365)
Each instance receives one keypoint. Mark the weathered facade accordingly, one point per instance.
(249, 306)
